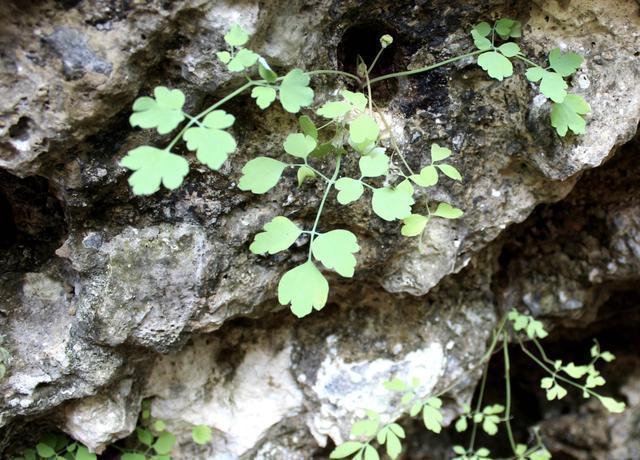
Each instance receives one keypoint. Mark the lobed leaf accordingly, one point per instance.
(242, 60)
(236, 36)
(279, 234)
(299, 145)
(349, 190)
(374, 164)
(163, 113)
(345, 449)
(264, 96)
(295, 92)
(305, 288)
(363, 129)
(335, 250)
(446, 211)
(261, 174)
(414, 225)
(153, 167)
(392, 203)
(439, 153)
(565, 64)
(496, 65)
(428, 176)
(568, 115)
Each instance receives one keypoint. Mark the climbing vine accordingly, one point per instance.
(350, 125)
(370, 434)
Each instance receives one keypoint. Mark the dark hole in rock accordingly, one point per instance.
(33, 223)
(20, 131)
(364, 40)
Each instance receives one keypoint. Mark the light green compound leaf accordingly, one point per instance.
(295, 92)
(84, 454)
(265, 71)
(564, 64)
(574, 371)
(568, 115)
(236, 36)
(349, 190)
(299, 145)
(305, 288)
(153, 167)
(304, 173)
(164, 443)
(535, 329)
(406, 187)
(363, 129)
(370, 453)
(144, 436)
(459, 450)
(553, 86)
(607, 356)
(392, 203)
(133, 456)
(366, 428)
(278, 235)
(482, 28)
(374, 164)
(414, 225)
(507, 28)
(489, 425)
(395, 385)
(211, 143)
(480, 41)
(45, 450)
(428, 176)
(335, 250)
(432, 418)
(334, 109)
(556, 392)
(159, 425)
(394, 447)
(546, 383)
(496, 65)
(163, 113)
(397, 430)
(483, 452)
(439, 153)
(345, 449)
(358, 100)
(264, 96)
(541, 454)
(450, 172)
(612, 405)
(308, 127)
(224, 56)
(261, 174)
(201, 434)
(461, 424)
(509, 49)
(535, 74)
(446, 211)
(242, 60)
(415, 408)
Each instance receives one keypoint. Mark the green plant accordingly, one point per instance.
(514, 327)
(150, 441)
(355, 127)
(57, 447)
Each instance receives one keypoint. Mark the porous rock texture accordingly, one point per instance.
(107, 299)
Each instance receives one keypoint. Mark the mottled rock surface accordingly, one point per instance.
(107, 299)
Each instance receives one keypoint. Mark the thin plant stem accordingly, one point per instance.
(322, 202)
(375, 60)
(192, 120)
(394, 144)
(507, 382)
(424, 69)
(333, 72)
(483, 384)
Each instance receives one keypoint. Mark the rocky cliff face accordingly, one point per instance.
(107, 299)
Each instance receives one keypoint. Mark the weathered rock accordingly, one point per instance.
(131, 277)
